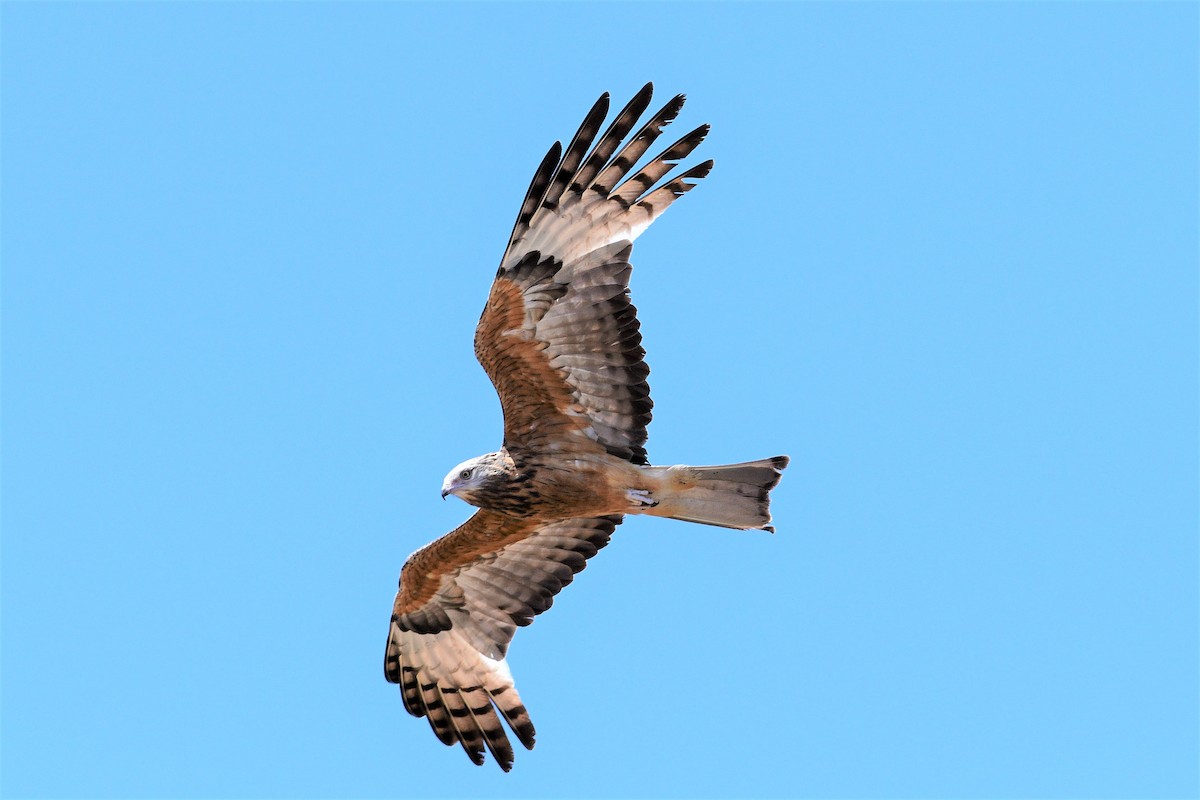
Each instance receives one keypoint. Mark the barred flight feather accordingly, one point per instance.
(611, 140)
(587, 213)
(575, 152)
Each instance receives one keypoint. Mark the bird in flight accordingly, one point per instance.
(559, 339)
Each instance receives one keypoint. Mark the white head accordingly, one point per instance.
(471, 475)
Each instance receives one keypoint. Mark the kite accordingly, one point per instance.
(560, 340)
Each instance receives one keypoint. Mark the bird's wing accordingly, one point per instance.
(461, 599)
(559, 336)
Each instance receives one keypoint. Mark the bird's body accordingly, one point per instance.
(543, 487)
(560, 340)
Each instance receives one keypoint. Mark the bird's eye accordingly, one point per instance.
(466, 473)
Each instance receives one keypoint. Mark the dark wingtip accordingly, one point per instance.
(671, 110)
(599, 107)
(643, 97)
(701, 170)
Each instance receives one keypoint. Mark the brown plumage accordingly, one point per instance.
(560, 340)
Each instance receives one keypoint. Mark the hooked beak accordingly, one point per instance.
(444, 493)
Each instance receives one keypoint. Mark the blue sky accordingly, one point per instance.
(947, 260)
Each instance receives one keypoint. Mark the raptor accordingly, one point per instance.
(560, 340)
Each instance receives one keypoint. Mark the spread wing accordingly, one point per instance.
(461, 599)
(559, 336)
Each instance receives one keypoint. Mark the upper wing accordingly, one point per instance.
(461, 598)
(559, 337)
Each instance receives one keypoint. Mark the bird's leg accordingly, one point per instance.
(640, 498)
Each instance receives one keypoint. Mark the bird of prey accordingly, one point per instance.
(559, 339)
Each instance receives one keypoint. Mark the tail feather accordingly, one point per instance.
(730, 496)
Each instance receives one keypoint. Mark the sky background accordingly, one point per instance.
(947, 260)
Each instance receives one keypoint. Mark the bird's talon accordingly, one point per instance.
(641, 498)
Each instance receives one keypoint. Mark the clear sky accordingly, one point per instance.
(947, 260)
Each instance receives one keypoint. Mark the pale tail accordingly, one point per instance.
(731, 496)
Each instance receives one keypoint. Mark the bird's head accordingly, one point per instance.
(470, 476)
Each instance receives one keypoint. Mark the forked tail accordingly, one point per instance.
(731, 496)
